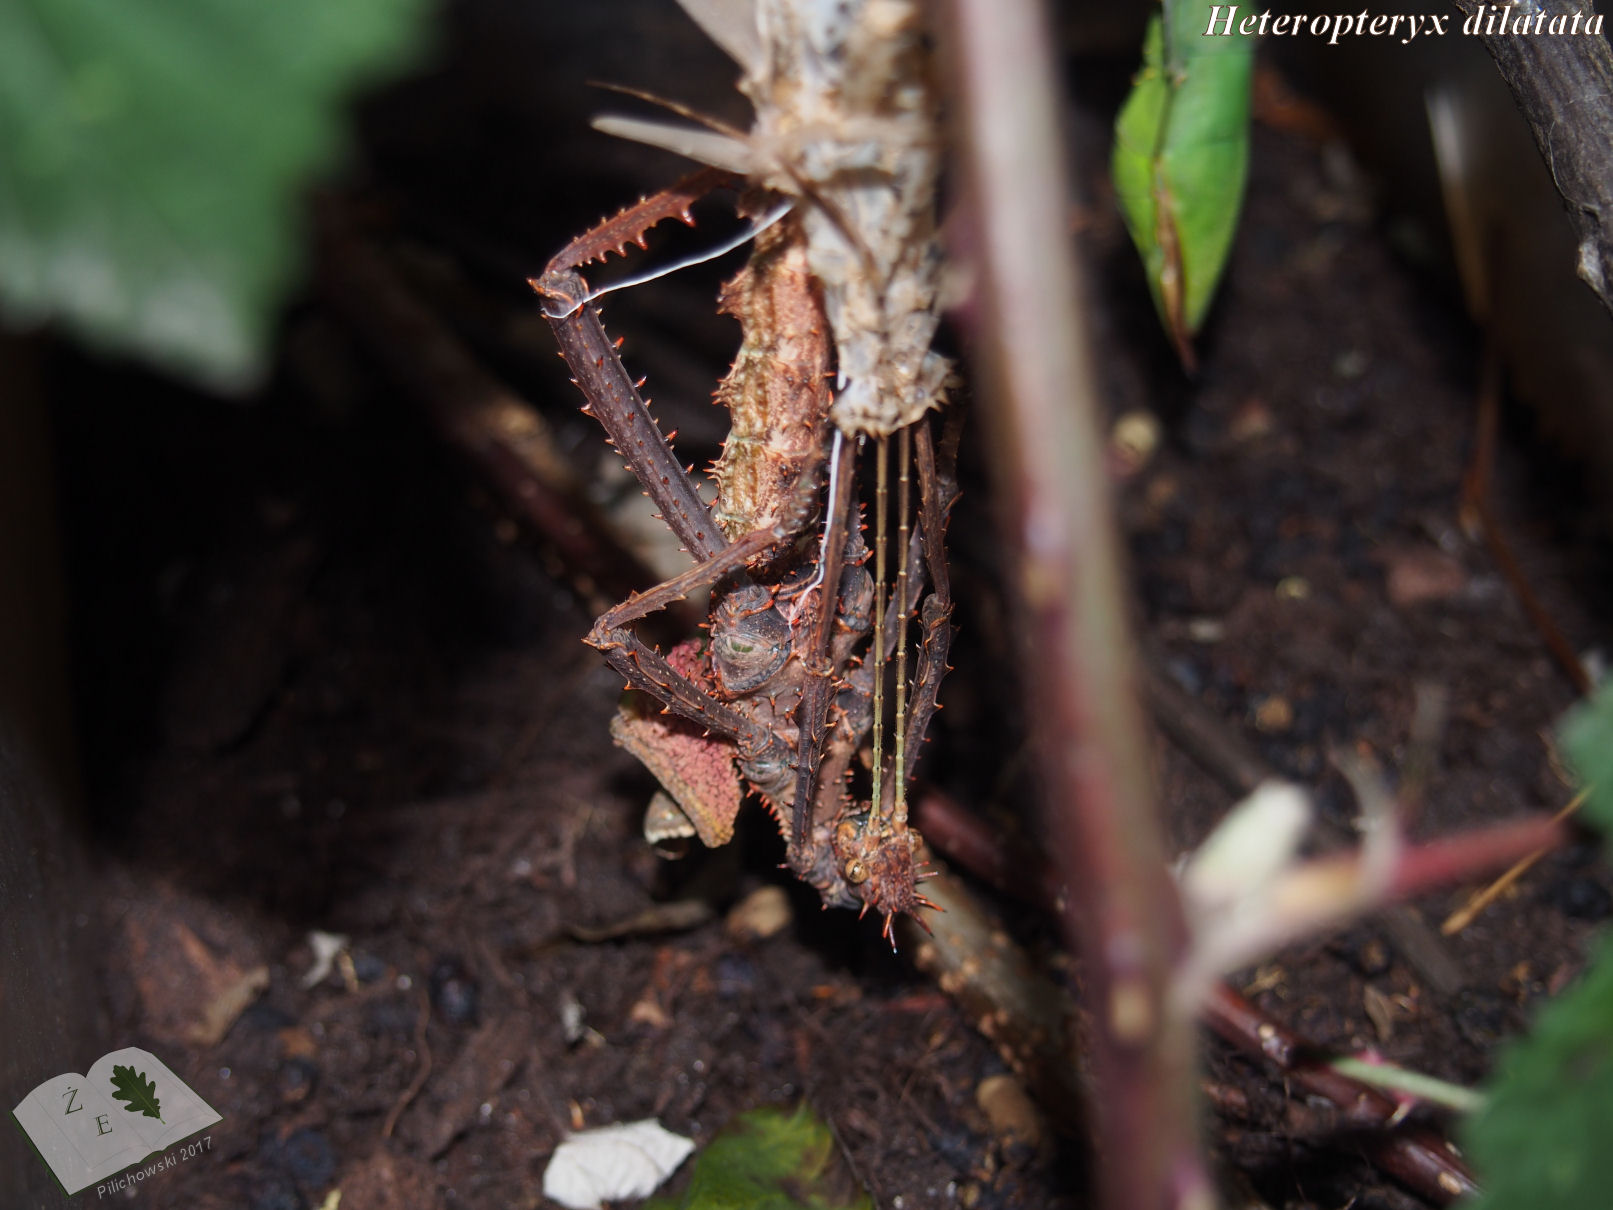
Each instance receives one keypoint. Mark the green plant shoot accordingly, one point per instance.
(771, 1159)
(1180, 159)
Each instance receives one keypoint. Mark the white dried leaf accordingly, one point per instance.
(613, 1163)
(1254, 845)
(325, 946)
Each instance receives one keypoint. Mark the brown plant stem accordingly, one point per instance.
(1419, 1159)
(1123, 914)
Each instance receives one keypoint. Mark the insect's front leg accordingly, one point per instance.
(613, 399)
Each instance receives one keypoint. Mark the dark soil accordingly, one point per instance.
(326, 686)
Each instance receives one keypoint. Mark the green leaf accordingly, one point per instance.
(1543, 1138)
(152, 157)
(140, 1093)
(770, 1159)
(1181, 156)
(1587, 737)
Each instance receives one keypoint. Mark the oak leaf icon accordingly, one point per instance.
(140, 1093)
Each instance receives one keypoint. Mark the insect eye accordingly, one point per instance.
(749, 649)
(856, 871)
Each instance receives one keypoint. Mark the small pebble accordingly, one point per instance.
(1274, 714)
(298, 1078)
(1293, 588)
(1009, 1110)
(1251, 421)
(1414, 577)
(736, 975)
(763, 913)
(1133, 440)
(454, 993)
(1368, 955)
(367, 967)
(573, 1020)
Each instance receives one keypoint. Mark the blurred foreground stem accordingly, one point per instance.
(1034, 354)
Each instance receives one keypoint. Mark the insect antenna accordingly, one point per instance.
(677, 107)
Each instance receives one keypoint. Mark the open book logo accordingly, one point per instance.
(127, 1106)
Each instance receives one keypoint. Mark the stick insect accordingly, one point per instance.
(839, 308)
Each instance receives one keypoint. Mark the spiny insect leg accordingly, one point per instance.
(937, 491)
(616, 404)
(644, 668)
(632, 224)
(710, 571)
(812, 719)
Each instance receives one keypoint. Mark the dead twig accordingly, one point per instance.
(1483, 898)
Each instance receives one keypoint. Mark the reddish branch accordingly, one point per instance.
(1418, 1158)
(1037, 380)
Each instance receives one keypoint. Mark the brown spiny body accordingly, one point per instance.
(777, 393)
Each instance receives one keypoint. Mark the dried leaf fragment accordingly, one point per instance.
(613, 1163)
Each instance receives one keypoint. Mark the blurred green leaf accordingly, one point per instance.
(1541, 1139)
(1587, 738)
(153, 155)
(770, 1159)
(1180, 158)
